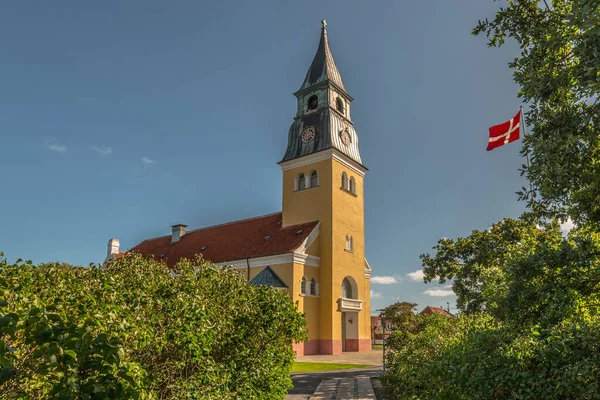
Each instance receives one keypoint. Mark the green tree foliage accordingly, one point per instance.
(530, 297)
(397, 312)
(413, 351)
(559, 77)
(136, 329)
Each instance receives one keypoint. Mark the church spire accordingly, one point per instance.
(323, 66)
(322, 120)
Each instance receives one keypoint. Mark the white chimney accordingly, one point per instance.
(177, 231)
(113, 248)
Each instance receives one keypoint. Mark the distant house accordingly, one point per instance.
(436, 310)
(377, 329)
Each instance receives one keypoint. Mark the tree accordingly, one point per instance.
(531, 296)
(477, 264)
(557, 72)
(397, 312)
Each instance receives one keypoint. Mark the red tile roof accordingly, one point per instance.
(435, 310)
(249, 238)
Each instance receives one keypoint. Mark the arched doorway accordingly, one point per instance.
(349, 318)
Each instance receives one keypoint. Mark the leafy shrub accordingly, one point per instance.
(474, 357)
(413, 349)
(136, 329)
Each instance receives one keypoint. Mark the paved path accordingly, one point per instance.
(345, 382)
(345, 389)
(305, 384)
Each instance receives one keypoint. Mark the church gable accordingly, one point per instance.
(250, 238)
(268, 277)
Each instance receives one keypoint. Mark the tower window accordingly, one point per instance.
(352, 186)
(349, 243)
(313, 103)
(346, 289)
(344, 181)
(301, 182)
(314, 179)
(313, 287)
(339, 104)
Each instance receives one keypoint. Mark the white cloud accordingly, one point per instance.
(147, 162)
(384, 280)
(375, 295)
(102, 150)
(416, 276)
(566, 226)
(55, 146)
(441, 291)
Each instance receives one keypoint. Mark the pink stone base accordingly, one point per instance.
(298, 348)
(325, 346)
(365, 345)
(311, 347)
(351, 344)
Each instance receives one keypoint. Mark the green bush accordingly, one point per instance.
(136, 329)
(476, 358)
(412, 351)
(535, 330)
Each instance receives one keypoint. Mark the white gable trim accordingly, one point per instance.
(324, 155)
(309, 239)
(368, 269)
(297, 258)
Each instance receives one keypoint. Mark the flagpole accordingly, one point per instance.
(524, 136)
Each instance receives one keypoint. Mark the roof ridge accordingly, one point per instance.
(215, 226)
(234, 222)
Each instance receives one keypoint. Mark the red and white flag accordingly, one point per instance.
(505, 133)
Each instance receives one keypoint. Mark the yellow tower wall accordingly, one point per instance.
(340, 213)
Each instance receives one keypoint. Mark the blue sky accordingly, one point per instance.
(118, 119)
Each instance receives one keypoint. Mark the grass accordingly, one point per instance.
(313, 366)
(377, 347)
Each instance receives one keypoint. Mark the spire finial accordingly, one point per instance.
(324, 22)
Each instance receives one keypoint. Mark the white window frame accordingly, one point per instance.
(303, 285)
(349, 243)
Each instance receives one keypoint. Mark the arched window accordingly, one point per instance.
(352, 186)
(346, 289)
(301, 182)
(303, 286)
(344, 181)
(313, 103)
(313, 287)
(349, 243)
(339, 104)
(314, 179)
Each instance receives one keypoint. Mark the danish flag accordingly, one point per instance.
(505, 133)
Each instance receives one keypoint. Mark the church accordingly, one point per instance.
(315, 247)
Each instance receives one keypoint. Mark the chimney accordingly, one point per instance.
(113, 248)
(177, 232)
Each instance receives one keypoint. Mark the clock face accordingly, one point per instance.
(308, 134)
(345, 137)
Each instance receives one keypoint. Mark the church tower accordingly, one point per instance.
(323, 180)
